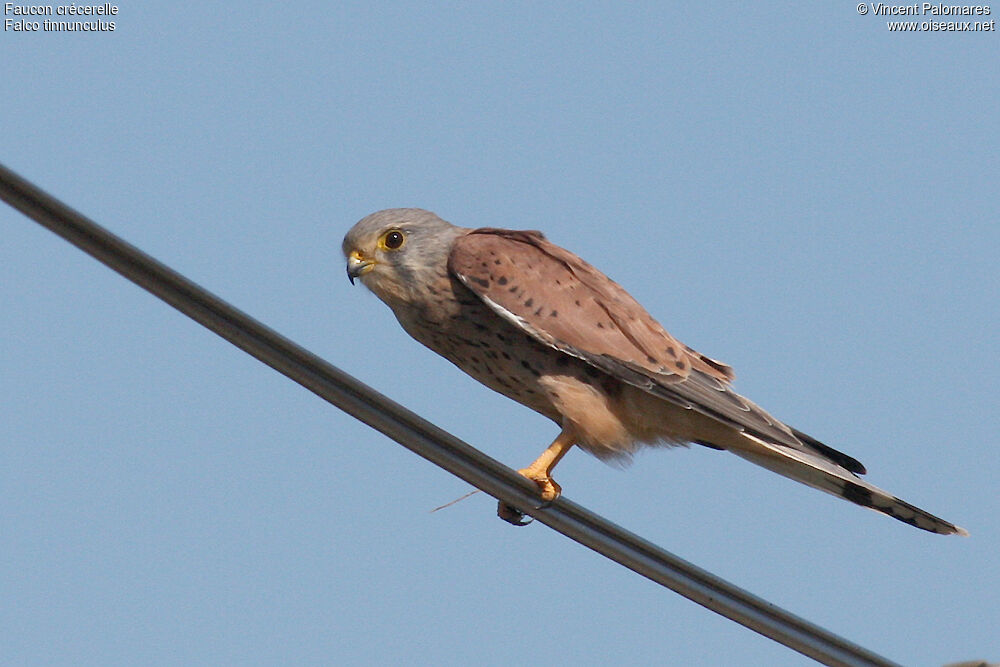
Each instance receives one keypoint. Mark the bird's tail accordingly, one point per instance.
(825, 475)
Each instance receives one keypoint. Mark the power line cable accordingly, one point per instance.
(426, 439)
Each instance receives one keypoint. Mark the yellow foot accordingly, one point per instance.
(547, 486)
(547, 489)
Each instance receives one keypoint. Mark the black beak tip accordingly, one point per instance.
(350, 276)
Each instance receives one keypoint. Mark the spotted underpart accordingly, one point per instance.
(497, 354)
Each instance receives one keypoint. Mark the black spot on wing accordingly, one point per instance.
(838, 457)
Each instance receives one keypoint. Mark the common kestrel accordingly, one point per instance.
(538, 324)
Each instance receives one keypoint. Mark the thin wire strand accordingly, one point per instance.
(426, 439)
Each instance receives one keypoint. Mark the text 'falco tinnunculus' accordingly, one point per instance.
(538, 324)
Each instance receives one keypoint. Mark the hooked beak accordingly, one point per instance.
(358, 265)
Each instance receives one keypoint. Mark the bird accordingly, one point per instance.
(540, 325)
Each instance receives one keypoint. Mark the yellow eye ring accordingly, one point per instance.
(392, 240)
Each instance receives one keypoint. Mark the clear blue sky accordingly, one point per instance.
(790, 188)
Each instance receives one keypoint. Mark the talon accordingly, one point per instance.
(547, 489)
(512, 515)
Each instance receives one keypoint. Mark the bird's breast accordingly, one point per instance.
(485, 346)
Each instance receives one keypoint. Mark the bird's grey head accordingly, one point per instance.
(398, 251)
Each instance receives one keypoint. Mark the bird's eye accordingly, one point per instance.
(393, 240)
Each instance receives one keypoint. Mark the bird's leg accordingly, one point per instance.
(540, 472)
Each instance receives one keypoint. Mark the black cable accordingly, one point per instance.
(426, 439)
